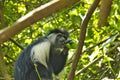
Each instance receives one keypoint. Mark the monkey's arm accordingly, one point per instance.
(59, 61)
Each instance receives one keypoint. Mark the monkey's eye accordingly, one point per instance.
(61, 39)
(62, 36)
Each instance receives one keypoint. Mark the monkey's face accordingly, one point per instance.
(59, 37)
(61, 40)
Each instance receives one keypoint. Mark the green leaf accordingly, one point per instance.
(108, 59)
(109, 41)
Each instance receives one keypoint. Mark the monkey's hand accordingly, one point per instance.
(65, 50)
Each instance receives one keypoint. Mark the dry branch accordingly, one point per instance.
(87, 66)
(90, 48)
(104, 12)
(81, 39)
(2, 62)
(2, 19)
(16, 43)
(33, 16)
(3, 67)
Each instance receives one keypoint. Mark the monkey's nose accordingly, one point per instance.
(68, 40)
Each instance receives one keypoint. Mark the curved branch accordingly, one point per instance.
(81, 39)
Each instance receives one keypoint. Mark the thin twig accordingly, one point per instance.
(16, 43)
(85, 68)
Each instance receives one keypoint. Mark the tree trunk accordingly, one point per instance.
(3, 67)
(104, 12)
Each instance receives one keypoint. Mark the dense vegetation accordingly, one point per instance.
(101, 48)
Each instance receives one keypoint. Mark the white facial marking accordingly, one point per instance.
(52, 37)
(40, 53)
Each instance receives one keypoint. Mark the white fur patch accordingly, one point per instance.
(40, 52)
(52, 37)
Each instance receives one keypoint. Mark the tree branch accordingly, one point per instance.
(16, 43)
(81, 39)
(97, 59)
(3, 67)
(90, 48)
(86, 67)
(104, 12)
(33, 16)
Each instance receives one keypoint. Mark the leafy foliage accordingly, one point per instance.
(70, 19)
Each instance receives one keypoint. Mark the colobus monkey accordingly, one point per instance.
(44, 57)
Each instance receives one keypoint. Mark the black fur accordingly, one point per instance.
(24, 66)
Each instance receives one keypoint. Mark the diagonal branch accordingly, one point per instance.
(82, 38)
(87, 66)
(96, 60)
(33, 16)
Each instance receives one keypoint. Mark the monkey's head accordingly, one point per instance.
(59, 37)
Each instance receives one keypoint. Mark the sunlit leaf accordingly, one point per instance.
(108, 59)
(109, 41)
